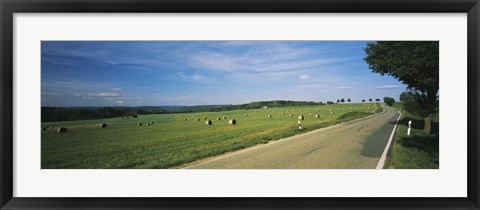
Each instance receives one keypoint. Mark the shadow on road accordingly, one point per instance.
(376, 143)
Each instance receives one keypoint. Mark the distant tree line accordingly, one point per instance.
(278, 103)
(55, 114)
(343, 100)
(252, 105)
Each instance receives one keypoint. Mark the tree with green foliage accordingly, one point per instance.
(389, 101)
(363, 100)
(404, 96)
(343, 100)
(370, 100)
(349, 100)
(377, 100)
(338, 101)
(414, 63)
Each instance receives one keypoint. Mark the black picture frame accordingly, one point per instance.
(10, 7)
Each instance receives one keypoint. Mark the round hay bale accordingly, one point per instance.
(198, 119)
(62, 130)
(317, 116)
(218, 118)
(103, 125)
(208, 122)
(232, 122)
(204, 118)
(291, 115)
(283, 113)
(224, 118)
(269, 116)
(140, 124)
(147, 123)
(151, 123)
(300, 117)
(332, 112)
(246, 114)
(185, 119)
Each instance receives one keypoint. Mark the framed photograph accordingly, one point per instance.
(239, 104)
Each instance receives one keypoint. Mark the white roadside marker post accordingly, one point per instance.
(409, 127)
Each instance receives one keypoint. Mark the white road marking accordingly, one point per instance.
(381, 162)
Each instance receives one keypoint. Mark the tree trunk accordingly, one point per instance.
(428, 124)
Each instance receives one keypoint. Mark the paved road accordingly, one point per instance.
(354, 144)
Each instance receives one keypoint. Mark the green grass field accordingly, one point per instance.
(171, 141)
(417, 151)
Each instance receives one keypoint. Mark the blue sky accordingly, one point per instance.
(141, 73)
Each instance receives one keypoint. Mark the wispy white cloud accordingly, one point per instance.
(112, 62)
(197, 77)
(304, 77)
(118, 98)
(185, 97)
(306, 87)
(51, 93)
(388, 87)
(100, 93)
(57, 61)
(271, 61)
(342, 88)
(78, 87)
(59, 84)
(298, 64)
(105, 94)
